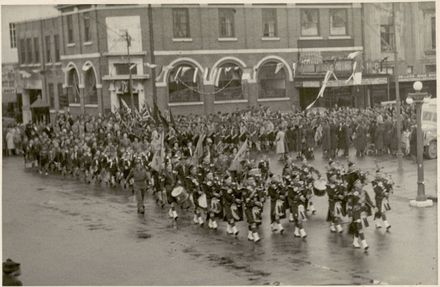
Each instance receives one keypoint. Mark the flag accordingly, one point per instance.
(195, 75)
(157, 163)
(155, 113)
(354, 54)
(217, 79)
(173, 123)
(321, 91)
(228, 69)
(184, 70)
(177, 73)
(239, 156)
(278, 67)
(198, 152)
(151, 66)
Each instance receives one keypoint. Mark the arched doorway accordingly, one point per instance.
(90, 92)
(184, 84)
(272, 80)
(73, 93)
(228, 82)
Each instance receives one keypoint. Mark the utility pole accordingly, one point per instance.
(152, 57)
(396, 83)
(127, 38)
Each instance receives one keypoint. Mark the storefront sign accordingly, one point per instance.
(418, 77)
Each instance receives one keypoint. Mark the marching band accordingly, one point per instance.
(219, 185)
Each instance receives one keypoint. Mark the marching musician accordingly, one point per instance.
(253, 209)
(193, 186)
(212, 190)
(307, 172)
(336, 195)
(263, 165)
(170, 181)
(232, 205)
(296, 200)
(277, 203)
(359, 207)
(382, 187)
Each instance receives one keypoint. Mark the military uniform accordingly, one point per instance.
(382, 188)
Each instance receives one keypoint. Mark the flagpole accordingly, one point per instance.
(396, 83)
(128, 40)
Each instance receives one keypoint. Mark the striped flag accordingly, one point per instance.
(198, 152)
(239, 156)
(321, 91)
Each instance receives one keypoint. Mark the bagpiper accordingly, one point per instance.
(296, 199)
(253, 209)
(382, 187)
(277, 203)
(336, 196)
(359, 207)
(232, 203)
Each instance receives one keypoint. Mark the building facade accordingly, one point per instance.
(415, 43)
(11, 93)
(204, 58)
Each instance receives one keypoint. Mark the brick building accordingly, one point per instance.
(200, 58)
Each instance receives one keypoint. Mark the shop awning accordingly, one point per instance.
(39, 104)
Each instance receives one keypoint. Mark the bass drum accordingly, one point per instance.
(202, 202)
(319, 187)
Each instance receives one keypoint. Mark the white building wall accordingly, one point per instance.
(18, 13)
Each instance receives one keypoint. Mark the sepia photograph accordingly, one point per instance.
(205, 143)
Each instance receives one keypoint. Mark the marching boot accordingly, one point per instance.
(364, 244)
(195, 219)
(339, 228)
(332, 227)
(170, 212)
(377, 223)
(201, 221)
(387, 224)
(229, 229)
(256, 237)
(214, 225)
(175, 216)
(210, 223)
(356, 242)
(280, 228)
(250, 236)
(274, 227)
(291, 217)
(235, 230)
(303, 233)
(296, 232)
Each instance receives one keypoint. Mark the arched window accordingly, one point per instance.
(272, 80)
(73, 93)
(228, 82)
(90, 92)
(184, 83)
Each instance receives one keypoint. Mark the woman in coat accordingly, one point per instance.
(326, 143)
(280, 140)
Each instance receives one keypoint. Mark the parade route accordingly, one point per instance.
(68, 233)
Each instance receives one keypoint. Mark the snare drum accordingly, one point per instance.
(180, 194)
(319, 187)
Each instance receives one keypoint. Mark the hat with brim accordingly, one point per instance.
(10, 266)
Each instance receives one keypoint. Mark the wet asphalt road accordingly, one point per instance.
(68, 233)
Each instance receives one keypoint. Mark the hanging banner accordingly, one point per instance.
(278, 67)
(195, 74)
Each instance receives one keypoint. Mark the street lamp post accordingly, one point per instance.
(417, 98)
